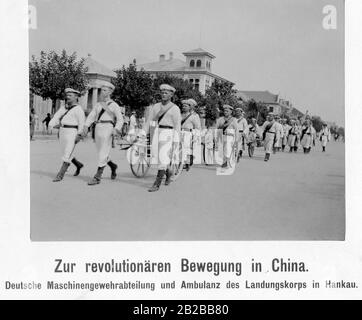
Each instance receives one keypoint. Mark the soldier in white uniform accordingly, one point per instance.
(325, 136)
(243, 131)
(133, 121)
(164, 124)
(293, 136)
(70, 121)
(286, 128)
(308, 136)
(196, 135)
(270, 135)
(278, 141)
(190, 124)
(107, 119)
(228, 131)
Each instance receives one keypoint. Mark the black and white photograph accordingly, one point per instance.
(155, 120)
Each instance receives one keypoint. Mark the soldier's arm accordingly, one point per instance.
(177, 125)
(55, 120)
(91, 117)
(197, 123)
(118, 114)
(81, 120)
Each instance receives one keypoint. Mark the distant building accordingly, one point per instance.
(273, 102)
(197, 68)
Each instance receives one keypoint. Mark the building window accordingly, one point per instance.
(271, 109)
(198, 63)
(192, 63)
(197, 84)
(191, 81)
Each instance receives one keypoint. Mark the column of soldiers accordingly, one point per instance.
(169, 129)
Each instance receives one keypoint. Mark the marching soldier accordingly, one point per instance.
(278, 141)
(270, 135)
(286, 128)
(229, 134)
(293, 136)
(243, 131)
(307, 138)
(165, 120)
(196, 134)
(325, 136)
(189, 123)
(105, 118)
(70, 121)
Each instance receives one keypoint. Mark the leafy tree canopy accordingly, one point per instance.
(51, 73)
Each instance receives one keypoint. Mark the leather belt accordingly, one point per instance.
(105, 121)
(165, 127)
(69, 126)
(187, 130)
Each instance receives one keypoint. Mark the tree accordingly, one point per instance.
(184, 89)
(216, 96)
(317, 123)
(256, 110)
(52, 73)
(133, 88)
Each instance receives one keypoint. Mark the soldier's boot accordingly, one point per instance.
(62, 172)
(157, 183)
(168, 177)
(78, 165)
(191, 160)
(324, 149)
(283, 148)
(186, 167)
(97, 178)
(113, 167)
(291, 149)
(224, 165)
(295, 149)
(267, 157)
(274, 150)
(240, 155)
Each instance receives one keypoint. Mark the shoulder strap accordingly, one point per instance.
(65, 113)
(268, 127)
(184, 120)
(160, 117)
(103, 110)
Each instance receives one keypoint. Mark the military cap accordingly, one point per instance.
(108, 85)
(70, 90)
(192, 103)
(167, 87)
(226, 106)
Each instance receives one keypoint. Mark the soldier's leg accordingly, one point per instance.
(67, 144)
(78, 166)
(103, 144)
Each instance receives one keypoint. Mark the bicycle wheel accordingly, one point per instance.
(140, 162)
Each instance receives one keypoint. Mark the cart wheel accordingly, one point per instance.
(140, 162)
(177, 165)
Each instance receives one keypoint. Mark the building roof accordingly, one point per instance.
(164, 66)
(259, 96)
(198, 51)
(94, 67)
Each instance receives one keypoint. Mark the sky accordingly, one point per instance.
(275, 45)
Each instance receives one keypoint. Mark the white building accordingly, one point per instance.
(197, 68)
